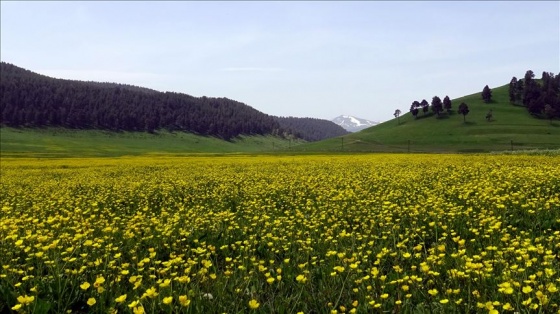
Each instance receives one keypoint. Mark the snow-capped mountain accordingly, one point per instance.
(353, 124)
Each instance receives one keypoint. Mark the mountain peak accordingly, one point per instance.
(353, 124)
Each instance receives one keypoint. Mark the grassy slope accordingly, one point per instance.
(74, 143)
(449, 133)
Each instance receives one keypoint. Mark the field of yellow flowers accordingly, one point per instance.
(281, 234)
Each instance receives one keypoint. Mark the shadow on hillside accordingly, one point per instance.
(423, 116)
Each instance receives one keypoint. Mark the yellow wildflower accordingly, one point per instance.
(121, 299)
(85, 285)
(301, 278)
(167, 300)
(184, 301)
(254, 304)
(25, 299)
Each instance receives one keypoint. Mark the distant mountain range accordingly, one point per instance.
(353, 124)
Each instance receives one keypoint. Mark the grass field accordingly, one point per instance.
(399, 233)
(54, 142)
(510, 124)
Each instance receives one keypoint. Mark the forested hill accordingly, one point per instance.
(29, 99)
(311, 129)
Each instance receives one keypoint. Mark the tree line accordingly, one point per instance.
(29, 99)
(437, 106)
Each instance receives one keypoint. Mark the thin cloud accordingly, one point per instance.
(101, 75)
(251, 69)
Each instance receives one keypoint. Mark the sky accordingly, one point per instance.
(289, 58)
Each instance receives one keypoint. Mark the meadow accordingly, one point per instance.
(511, 128)
(64, 143)
(383, 233)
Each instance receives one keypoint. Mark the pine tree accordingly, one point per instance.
(397, 114)
(486, 94)
(447, 104)
(464, 110)
(519, 90)
(437, 105)
(512, 89)
(414, 108)
(425, 106)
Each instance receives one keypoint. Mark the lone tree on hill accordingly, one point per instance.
(447, 104)
(397, 114)
(425, 106)
(487, 94)
(437, 105)
(464, 110)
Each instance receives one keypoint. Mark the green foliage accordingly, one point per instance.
(447, 104)
(414, 108)
(464, 110)
(487, 94)
(437, 106)
(397, 114)
(515, 90)
(425, 106)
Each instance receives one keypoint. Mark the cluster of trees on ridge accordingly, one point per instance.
(542, 98)
(29, 99)
(437, 106)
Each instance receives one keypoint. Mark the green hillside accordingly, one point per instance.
(54, 142)
(510, 124)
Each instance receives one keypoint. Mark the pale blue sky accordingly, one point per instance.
(304, 59)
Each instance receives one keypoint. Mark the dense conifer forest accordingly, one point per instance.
(29, 99)
(542, 98)
(309, 129)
